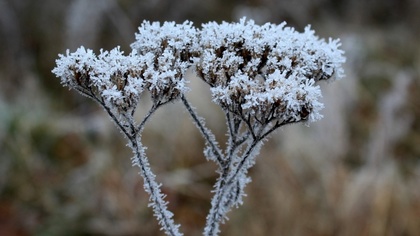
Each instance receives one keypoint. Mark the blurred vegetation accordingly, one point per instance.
(65, 170)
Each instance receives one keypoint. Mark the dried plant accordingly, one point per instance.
(263, 77)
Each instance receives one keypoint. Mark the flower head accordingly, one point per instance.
(268, 72)
(170, 49)
(109, 76)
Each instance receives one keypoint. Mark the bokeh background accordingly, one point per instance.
(65, 169)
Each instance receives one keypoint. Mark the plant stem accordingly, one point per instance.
(207, 134)
(159, 205)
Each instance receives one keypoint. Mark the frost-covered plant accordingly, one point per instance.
(263, 77)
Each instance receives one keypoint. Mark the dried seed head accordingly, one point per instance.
(268, 71)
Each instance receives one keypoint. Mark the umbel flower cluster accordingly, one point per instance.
(262, 76)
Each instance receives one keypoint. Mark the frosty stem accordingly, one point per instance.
(216, 153)
(159, 205)
(231, 167)
(225, 196)
(133, 134)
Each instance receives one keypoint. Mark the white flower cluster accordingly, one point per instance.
(268, 71)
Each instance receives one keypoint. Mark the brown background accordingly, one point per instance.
(65, 169)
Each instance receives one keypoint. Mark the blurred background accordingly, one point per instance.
(65, 169)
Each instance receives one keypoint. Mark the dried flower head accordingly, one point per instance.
(170, 49)
(158, 62)
(110, 76)
(268, 72)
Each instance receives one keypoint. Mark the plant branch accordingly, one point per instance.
(159, 205)
(207, 134)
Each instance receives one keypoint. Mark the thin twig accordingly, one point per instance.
(207, 134)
